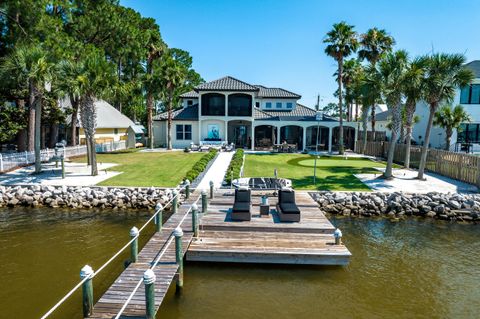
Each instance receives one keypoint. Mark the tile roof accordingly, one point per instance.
(475, 67)
(187, 113)
(265, 92)
(226, 83)
(189, 94)
(300, 113)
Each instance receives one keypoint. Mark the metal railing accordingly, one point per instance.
(159, 210)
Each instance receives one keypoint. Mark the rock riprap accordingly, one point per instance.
(83, 197)
(455, 207)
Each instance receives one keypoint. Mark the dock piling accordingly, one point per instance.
(158, 217)
(178, 233)
(195, 220)
(134, 245)
(204, 201)
(87, 290)
(175, 201)
(187, 189)
(338, 236)
(211, 189)
(149, 282)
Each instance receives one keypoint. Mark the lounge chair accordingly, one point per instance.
(242, 206)
(286, 207)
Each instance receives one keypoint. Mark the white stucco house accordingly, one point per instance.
(228, 110)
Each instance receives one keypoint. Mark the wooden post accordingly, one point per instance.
(178, 233)
(149, 282)
(187, 188)
(204, 202)
(338, 236)
(87, 290)
(195, 220)
(211, 189)
(175, 202)
(158, 217)
(134, 245)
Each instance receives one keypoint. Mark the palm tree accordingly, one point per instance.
(375, 43)
(392, 71)
(450, 119)
(96, 77)
(351, 73)
(172, 76)
(70, 71)
(30, 64)
(412, 89)
(371, 88)
(342, 41)
(444, 74)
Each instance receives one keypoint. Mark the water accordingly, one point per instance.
(410, 269)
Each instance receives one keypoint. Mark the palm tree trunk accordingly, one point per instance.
(365, 124)
(88, 115)
(448, 138)
(38, 133)
(169, 123)
(396, 123)
(373, 122)
(340, 108)
(423, 156)
(53, 138)
(150, 119)
(410, 110)
(31, 118)
(89, 151)
(73, 124)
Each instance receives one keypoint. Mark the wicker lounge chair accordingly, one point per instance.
(242, 206)
(286, 207)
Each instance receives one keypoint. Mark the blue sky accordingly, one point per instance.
(279, 43)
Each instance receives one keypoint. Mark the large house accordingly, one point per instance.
(228, 110)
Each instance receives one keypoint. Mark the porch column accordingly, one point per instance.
(226, 131)
(253, 137)
(199, 131)
(304, 139)
(330, 131)
(278, 135)
(226, 104)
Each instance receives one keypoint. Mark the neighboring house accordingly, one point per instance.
(112, 125)
(228, 110)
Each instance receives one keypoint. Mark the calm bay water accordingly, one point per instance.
(410, 269)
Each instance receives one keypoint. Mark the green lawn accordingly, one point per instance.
(147, 169)
(333, 173)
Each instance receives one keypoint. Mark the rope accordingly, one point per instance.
(67, 295)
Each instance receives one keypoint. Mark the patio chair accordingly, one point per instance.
(194, 147)
(287, 209)
(242, 205)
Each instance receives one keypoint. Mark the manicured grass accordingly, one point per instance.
(333, 173)
(160, 169)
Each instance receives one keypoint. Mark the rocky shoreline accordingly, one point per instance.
(452, 207)
(83, 197)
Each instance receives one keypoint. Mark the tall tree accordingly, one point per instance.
(444, 74)
(392, 72)
(342, 41)
(30, 63)
(375, 43)
(413, 90)
(450, 119)
(371, 94)
(351, 74)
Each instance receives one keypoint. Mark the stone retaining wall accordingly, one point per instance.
(455, 207)
(83, 197)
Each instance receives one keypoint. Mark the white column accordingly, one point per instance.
(199, 131)
(226, 131)
(304, 139)
(330, 131)
(278, 135)
(252, 136)
(226, 104)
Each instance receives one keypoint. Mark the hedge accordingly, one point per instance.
(200, 165)
(235, 165)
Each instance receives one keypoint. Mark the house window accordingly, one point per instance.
(184, 131)
(268, 105)
(279, 105)
(213, 104)
(470, 94)
(239, 105)
(257, 104)
(289, 105)
(468, 133)
(189, 102)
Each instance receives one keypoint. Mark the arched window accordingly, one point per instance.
(239, 104)
(213, 104)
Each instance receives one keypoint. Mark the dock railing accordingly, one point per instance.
(87, 274)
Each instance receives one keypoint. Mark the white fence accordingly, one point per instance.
(12, 160)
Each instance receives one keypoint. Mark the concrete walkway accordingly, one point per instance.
(76, 174)
(405, 181)
(217, 171)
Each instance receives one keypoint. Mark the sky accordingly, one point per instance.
(280, 43)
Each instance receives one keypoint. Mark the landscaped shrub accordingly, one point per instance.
(235, 166)
(200, 165)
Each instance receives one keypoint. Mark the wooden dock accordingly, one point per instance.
(266, 239)
(261, 240)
